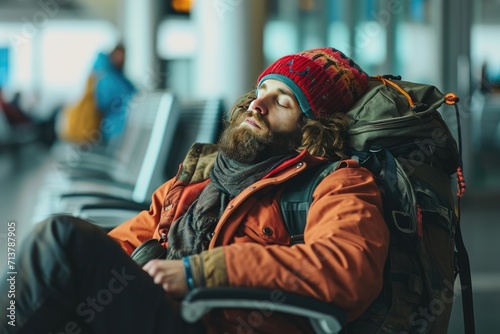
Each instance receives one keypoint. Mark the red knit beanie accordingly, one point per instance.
(323, 80)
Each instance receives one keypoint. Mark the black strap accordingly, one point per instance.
(297, 198)
(465, 280)
(371, 161)
(382, 164)
(463, 257)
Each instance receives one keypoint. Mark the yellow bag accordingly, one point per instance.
(82, 121)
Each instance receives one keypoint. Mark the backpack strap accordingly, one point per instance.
(466, 282)
(297, 198)
(463, 256)
(395, 186)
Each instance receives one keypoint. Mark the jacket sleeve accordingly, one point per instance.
(342, 259)
(135, 231)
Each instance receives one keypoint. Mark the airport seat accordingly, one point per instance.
(325, 318)
(199, 121)
(153, 120)
(139, 160)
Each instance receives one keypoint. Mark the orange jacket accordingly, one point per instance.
(341, 261)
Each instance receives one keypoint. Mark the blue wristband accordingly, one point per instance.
(189, 274)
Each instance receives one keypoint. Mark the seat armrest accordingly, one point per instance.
(116, 204)
(110, 213)
(324, 317)
(99, 196)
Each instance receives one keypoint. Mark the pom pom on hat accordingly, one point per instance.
(324, 80)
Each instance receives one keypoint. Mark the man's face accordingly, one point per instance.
(271, 126)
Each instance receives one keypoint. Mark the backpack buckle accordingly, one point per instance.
(404, 222)
(370, 159)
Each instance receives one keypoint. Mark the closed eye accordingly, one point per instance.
(284, 102)
(281, 105)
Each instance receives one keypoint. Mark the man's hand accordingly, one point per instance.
(170, 275)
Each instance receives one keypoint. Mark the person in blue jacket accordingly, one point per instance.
(113, 92)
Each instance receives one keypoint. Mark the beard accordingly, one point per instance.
(241, 144)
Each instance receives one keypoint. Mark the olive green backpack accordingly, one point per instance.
(398, 134)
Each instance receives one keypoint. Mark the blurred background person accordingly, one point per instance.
(22, 122)
(100, 115)
(12, 110)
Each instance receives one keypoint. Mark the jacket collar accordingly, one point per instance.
(201, 157)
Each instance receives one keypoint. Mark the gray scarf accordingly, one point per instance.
(191, 233)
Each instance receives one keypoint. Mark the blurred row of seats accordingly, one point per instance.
(109, 185)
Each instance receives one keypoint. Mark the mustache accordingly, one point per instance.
(258, 119)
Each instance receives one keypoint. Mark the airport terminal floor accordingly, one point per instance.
(21, 175)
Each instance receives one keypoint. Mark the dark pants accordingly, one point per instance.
(72, 278)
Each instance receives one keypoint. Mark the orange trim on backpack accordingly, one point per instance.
(420, 228)
(451, 98)
(460, 182)
(397, 87)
